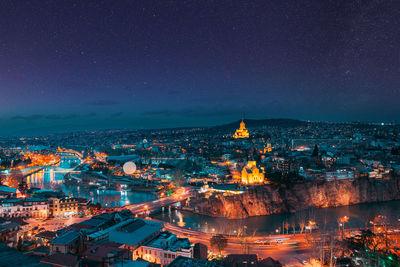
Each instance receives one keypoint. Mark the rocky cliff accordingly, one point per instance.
(270, 199)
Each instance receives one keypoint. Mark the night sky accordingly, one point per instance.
(68, 65)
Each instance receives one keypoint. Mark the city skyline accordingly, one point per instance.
(70, 66)
(200, 133)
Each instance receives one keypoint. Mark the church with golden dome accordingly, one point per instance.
(242, 132)
(251, 174)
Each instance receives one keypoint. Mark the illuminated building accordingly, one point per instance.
(132, 233)
(165, 247)
(222, 188)
(63, 207)
(342, 174)
(251, 174)
(28, 207)
(242, 132)
(268, 148)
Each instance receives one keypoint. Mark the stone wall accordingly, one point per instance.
(270, 199)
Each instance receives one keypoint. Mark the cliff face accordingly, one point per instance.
(269, 199)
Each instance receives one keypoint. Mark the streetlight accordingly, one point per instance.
(342, 221)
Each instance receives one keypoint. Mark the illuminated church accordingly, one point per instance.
(242, 132)
(251, 174)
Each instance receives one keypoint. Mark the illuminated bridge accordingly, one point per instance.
(150, 206)
(69, 153)
(156, 204)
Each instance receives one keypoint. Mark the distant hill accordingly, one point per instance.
(260, 123)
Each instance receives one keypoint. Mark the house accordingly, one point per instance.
(190, 262)
(6, 192)
(339, 174)
(67, 242)
(105, 254)
(28, 207)
(12, 257)
(61, 260)
(164, 248)
(9, 233)
(135, 233)
(247, 260)
(236, 260)
(63, 207)
(45, 237)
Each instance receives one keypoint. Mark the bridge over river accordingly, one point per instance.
(156, 204)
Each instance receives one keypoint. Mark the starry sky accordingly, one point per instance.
(75, 65)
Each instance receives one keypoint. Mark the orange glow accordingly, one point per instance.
(344, 219)
(38, 159)
(251, 174)
(242, 132)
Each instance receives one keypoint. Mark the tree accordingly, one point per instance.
(294, 227)
(219, 242)
(372, 247)
(19, 244)
(315, 152)
(286, 225)
(302, 219)
(23, 186)
(177, 177)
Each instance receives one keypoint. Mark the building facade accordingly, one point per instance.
(164, 248)
(29, 207)
(64, 207)
(242, 132)
(251, 174)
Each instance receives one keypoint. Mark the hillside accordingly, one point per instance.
(260, 123)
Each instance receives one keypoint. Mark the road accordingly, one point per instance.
(153, 205)
(291, 250)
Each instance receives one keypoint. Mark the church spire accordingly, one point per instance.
(242, 132)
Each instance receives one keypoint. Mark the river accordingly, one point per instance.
(52, 178)
(359, 216)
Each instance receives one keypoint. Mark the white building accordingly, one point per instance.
(29, 207)
(164, 248)
(341, 174)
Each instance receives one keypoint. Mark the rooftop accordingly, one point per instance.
(134, 232)
(7, 189)
(14, 258)
(104, 250)
(66, 237)
(108, 230)
(60, 259)
(169, 241)
(8, 225)
(46, 235)
(190, 262)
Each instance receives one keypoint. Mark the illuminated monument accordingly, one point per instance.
(251, 174)
(242, 132)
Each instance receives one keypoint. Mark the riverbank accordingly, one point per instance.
(271, 199)
(359, 217)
